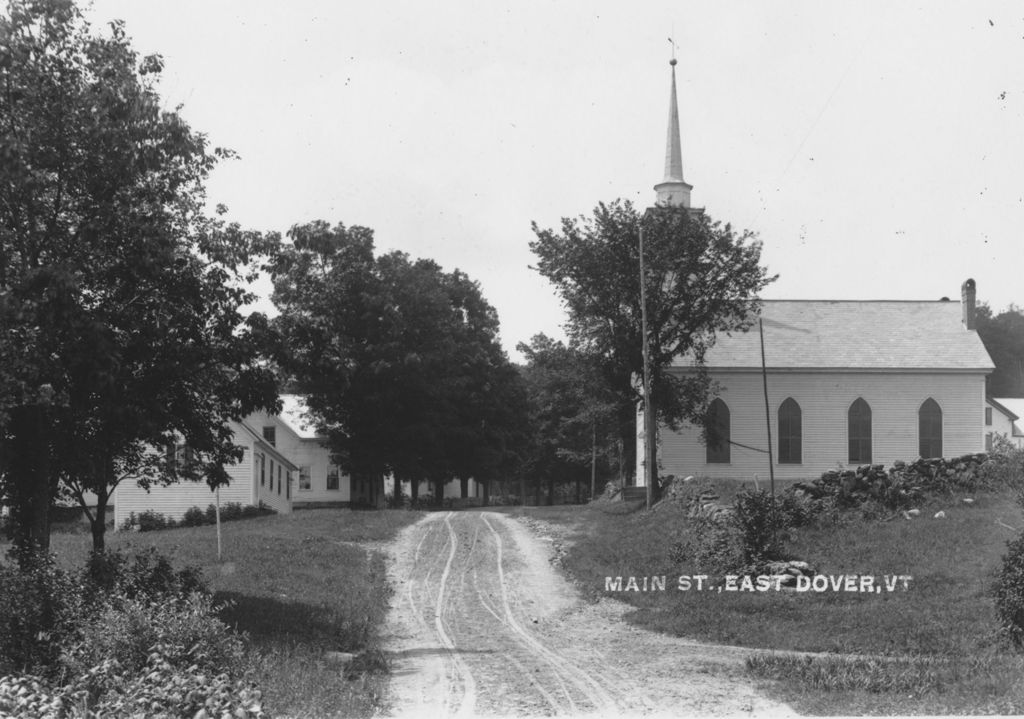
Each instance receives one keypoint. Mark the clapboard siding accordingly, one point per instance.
(304, 452)
(824, 399)
(174, 500)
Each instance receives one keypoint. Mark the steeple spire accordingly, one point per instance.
(673, 190)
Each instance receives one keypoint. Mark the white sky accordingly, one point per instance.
(876, 147)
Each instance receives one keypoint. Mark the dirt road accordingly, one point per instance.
(481, 624)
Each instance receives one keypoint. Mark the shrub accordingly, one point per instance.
(1009, 592)
(39, 610)
(762, 530)
(148, 574)
(713, 547)
(193, 517)
(150, 521)
(1004, 467)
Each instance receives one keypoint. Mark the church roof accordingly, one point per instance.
(869, 335)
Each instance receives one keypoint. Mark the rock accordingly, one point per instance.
(914, 512)
(339, 657)
(688, 478)
(967, 500)
(940, 515)
(906, 515)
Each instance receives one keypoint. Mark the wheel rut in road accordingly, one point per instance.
(481, 624)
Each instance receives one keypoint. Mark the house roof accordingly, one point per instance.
(294, 414)
(998, 404)
(267, 447)
(1016, 406)
(854, 335)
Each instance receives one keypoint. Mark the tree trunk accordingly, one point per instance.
(652, 451)
(98, 522)
(439, 492)
(551, 490)
(485, 500)
(537, 497)
(579, 483)
(414, 489)
(30, 488)
(464, 487)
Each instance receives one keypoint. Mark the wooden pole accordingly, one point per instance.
(593, 458)
(217, 500)
(648, 420)
(767, 424)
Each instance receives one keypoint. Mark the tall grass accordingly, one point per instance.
(298, 585)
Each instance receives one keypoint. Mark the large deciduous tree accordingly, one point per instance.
(702, 278)
(120, 328)
(1003, 335)
(572, 416)
(400, 360)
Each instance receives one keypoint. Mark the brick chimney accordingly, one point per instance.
(968, 297)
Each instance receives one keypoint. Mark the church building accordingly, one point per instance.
(844, 382)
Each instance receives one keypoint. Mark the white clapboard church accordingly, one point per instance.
(848, 382)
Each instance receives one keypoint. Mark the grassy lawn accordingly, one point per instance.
(939, 648)
(298, 584)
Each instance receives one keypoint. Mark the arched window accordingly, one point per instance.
(929, 429)
(858, 423)
(789, 432)
(717, 431)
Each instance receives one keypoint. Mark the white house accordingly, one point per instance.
(262, 476)
(1003, 418)
(847, 382)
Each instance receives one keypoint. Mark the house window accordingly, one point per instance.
(270, 434)
(287, 485)
(263, 471)
(716, 430)
(858, 423)
(332, 478)
(789, 432)
(988, 416)
(279, 478)
(178, 456)
(988, 441)
(930, 429)
(305, 483)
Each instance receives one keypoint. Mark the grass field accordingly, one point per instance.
(298, 585)
(942, 629)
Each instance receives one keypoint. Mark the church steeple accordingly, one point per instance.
(673, 190)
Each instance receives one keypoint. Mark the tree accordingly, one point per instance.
(401, 361)
(119, 297)
(572, 413)
(1003, 335)
(701, 279)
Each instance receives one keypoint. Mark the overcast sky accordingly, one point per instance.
(877, 148)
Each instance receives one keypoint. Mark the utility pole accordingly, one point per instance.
(650, 453)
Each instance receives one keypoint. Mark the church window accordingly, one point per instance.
(789, 432)
(305, 480)
(988, 416)
(332, 478)
(717, 432)
(859, 431)
(930, 429)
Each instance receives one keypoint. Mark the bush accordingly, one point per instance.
(194, 517)
(1009, 592)
(39, 610)
(150, 521)
(713, 547)
(1005, 466)
(761, 526)
(148, 574)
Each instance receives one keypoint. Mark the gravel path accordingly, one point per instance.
(481, 624)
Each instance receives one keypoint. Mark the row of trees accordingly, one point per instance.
(121, 331)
